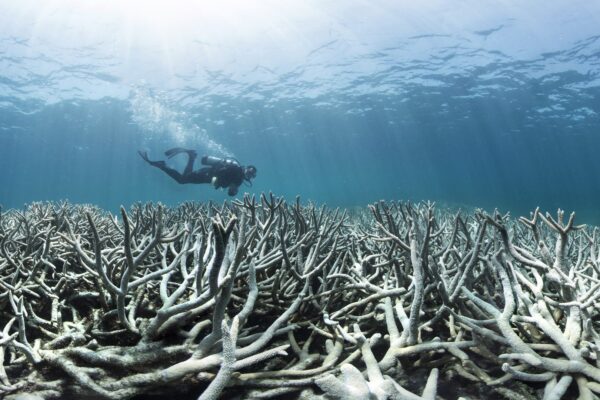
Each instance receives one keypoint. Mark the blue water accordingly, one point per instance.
(469, 103)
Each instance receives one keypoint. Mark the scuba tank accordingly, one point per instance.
(213, 161)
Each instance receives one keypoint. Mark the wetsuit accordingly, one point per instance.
(224, 174)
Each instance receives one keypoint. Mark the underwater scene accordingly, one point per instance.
(317, 199)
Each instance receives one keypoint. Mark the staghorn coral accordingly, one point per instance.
(264, 299)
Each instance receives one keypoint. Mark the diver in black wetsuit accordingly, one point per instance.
(221, 172)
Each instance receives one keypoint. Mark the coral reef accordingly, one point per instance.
(258, 299)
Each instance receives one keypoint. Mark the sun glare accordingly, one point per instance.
(229, 15)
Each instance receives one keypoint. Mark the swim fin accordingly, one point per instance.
(144, 155)
(177, 150)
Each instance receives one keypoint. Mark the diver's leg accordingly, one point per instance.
(190, 163)
(173, 173)
(163, 166)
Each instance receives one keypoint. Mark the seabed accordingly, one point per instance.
(263, 299)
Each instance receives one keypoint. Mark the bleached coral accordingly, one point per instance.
(264, 299)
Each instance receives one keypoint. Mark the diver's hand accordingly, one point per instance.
(232, 191)
(214, 181)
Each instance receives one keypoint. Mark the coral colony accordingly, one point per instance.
(261, 299)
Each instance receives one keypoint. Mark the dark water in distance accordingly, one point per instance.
(482, 104)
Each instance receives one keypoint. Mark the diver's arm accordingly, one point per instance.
(203, 175)
(233, 189)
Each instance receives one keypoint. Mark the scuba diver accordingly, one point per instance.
(221, 172)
